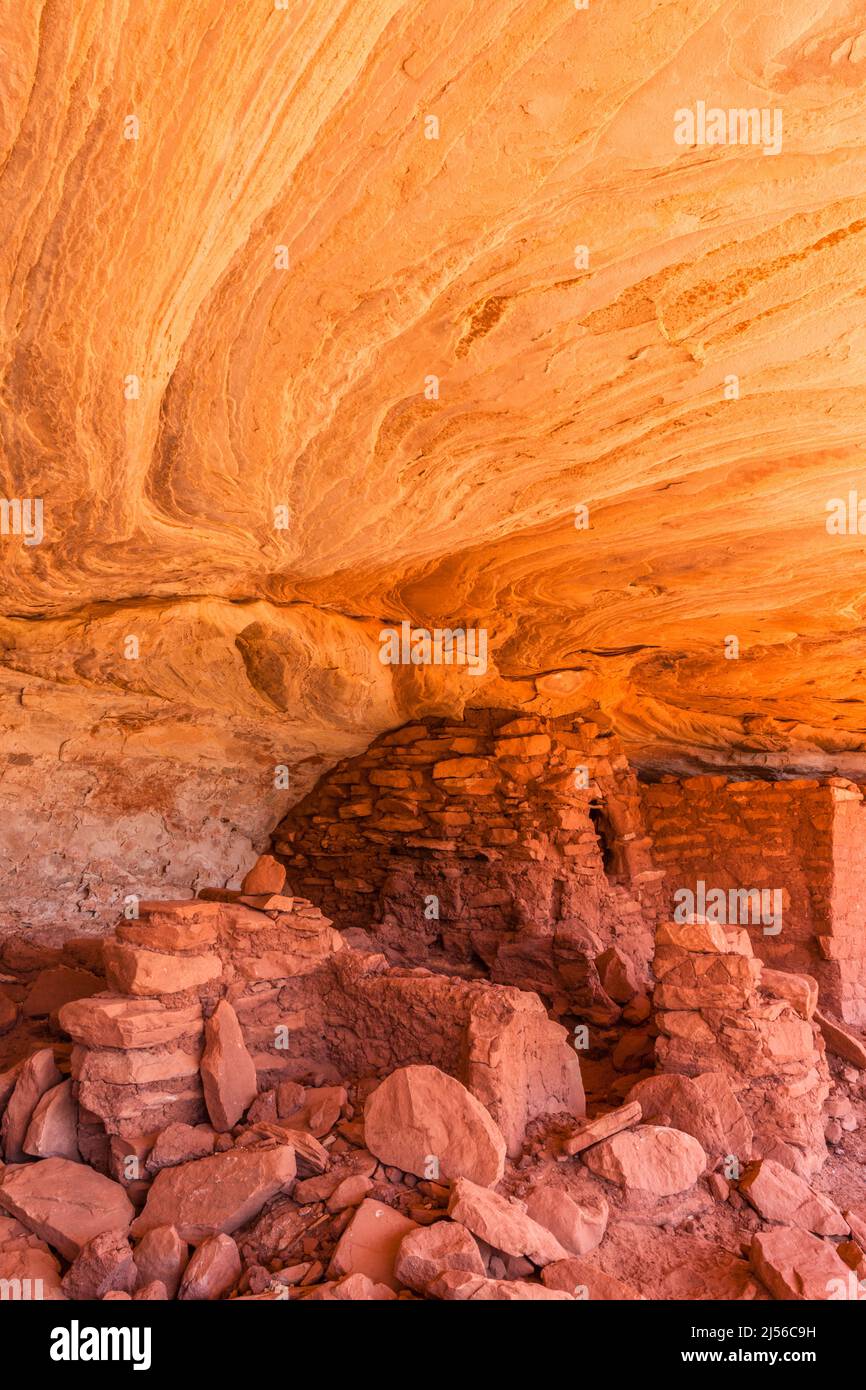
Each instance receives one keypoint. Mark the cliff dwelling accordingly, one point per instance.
(433, 851)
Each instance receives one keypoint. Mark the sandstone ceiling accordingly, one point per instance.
(560, 386)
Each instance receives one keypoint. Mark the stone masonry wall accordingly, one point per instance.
(803, 838)
(514, 844)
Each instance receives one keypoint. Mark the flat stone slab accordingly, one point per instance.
(216, 1195)
(66, 1204)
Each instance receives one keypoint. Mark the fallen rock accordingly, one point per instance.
(583, 1281)
(154, 1292)
(502, 1223)
(795, 1265)
(842, 1040)
(456, 1286)
(53, 1128)
(103, 1264)
(704, 1106)
(777, 1194)
(66, 1204)
(370, 1244)
(579, 1226)
(649, 1159)
(425, 1122)
(179, 1143)
(161, 1256)
(349, 1193)
(217, 1194)
(426, 1253)
(31, 1272)
(215, 1268)
(355, 1288)
(801, 991)
(617, 975)
(228, 1072)
(36, 1076)
(266, 876)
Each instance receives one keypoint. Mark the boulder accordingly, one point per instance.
(795, 1265)
(426, 1253)
(66, 1204)
(179, 1143)
(266, 876)
(217, 1194)
(777, 1194)
(228, 1072)
(36, 1076)
(105, 1263)
(425, 1122)
(649, 1159)
(579, 1226)
(215, 1268)
(53, 1128)
(503, 1223)
(370, 1244)
(31, 1272)
(161, 1256)
(704, 1106)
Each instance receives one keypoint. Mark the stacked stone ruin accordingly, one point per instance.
(305, 1004)
(719, 1010)
(512, 843)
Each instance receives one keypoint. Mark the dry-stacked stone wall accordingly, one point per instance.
(513, 842)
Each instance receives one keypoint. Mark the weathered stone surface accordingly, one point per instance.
(267, 875)
(179, 1143)
(66, 1204)
(584, 1282)
(133, 970)
(579, 1226)
(36, 1076)
(162, 1256)
(841, 1040)
(215, 1195)
(420, 1116)
(429, 1251)
(32, 1272)
(796, 1265)
(112, 1020)
(214, 1268)
(503, 1223)
(704, 1106)
(227, 1070)
(777, 1194)
(458, 1286)
(105, 1263)
(370, 1244)
(53, 1128)
(648, 1159)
